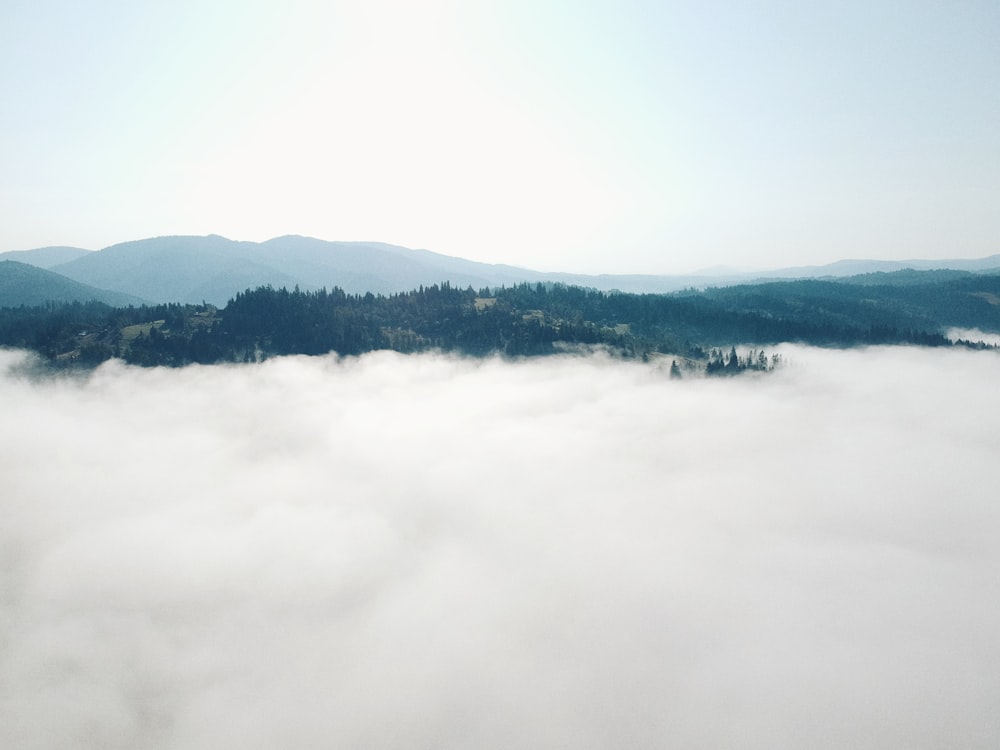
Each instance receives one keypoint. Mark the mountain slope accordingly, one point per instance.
(170, 269)
(520, 320)
(24, 284)
(45, 257)
(856, 267)
(214, 269)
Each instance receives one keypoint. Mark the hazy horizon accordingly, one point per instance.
(598, 138)
(706, 270)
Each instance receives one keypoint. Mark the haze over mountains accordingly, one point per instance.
(213, 269)
(45, 257)
(24, 284)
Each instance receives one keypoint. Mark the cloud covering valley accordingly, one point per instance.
(420, 551)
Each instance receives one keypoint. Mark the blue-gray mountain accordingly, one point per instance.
(45, 257)
(23, 284)
(214, 269)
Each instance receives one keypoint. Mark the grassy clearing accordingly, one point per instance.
(131, 333)
(483, 302)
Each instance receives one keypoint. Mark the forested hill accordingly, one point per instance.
(527, 319)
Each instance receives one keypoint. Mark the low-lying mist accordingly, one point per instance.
(575, 552)
(974, 335)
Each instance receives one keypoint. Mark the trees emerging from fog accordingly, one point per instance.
(733, 364)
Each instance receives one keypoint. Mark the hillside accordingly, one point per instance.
(845, 268)
(214, 269)
(23, 284)
(520, 320)
(45, 257)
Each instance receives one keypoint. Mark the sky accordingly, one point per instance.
(585, 136)
(420, 551)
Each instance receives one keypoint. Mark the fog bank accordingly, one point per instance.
(974, 335)
(418, 551)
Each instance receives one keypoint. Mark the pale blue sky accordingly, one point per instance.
(618, 136)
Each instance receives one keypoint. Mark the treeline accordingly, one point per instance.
(902, 300)
(733, 364)
(523, 320)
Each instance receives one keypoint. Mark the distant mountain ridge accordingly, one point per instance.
(857, 267)
(24, 284)
(213, 269)
(45, 257)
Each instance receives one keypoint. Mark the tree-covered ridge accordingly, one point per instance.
(526, 319)
(919, 300)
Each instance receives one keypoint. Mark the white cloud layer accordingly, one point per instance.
(404, 552)
(974, 335)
